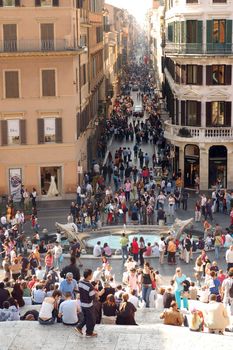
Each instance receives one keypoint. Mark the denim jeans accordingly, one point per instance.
(178, 300)
(146, 294)
(217, 250)
(46, 322)
(124, 252)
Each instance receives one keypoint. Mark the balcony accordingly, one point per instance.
(84, 16)
(199, 49)
(14, 46)
(198, 134)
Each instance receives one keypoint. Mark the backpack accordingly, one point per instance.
(231, 291)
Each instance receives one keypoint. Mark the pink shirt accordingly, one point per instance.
(128, 186)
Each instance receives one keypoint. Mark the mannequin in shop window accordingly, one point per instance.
(52, 191)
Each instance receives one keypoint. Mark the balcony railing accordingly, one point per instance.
(38, 45)
(199, 134)
(192, 49)
(84, 16)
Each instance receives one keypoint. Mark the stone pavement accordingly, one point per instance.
(26, 335)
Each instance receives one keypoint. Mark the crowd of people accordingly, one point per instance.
(131, 185)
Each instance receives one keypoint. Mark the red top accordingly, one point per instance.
(135, 248)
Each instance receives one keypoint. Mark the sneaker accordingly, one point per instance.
(91, 335)
(78, 330)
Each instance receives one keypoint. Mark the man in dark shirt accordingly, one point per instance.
(87, 296)
(168, 297)
(4, 294)
(25, 265)
(75, 250)
(71, 268)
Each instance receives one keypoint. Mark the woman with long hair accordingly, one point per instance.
(126, 312)
(110, 307)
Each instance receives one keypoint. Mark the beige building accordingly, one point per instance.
(197, 83)
(112, 52)
(51, 69)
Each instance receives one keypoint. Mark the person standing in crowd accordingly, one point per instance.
(87, 297)
(229, 257)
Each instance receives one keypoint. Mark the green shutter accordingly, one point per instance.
(183, 31)
(209, 36)
(199, 35)
(177, 32)
(229, 35)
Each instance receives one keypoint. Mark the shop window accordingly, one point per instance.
(51, 181)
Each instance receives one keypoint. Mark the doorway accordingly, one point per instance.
(218, 166)
(49, 175)
(191, 165)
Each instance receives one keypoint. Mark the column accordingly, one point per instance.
(204, 168)
(230, 166)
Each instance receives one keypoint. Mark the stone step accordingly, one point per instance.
(26, 335)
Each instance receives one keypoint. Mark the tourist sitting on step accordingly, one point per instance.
(172, 316)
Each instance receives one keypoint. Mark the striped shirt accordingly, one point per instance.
(87, 293)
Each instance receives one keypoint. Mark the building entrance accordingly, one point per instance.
(191, 165)
(218, 166)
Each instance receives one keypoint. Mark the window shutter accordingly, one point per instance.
(228, 74)
(209, 75)
(48, 83)
(22, 125)
(78, 125)
(37, 3)
(183, 74)
(199, 75)
(17, 3)
(40, 130)
(209, 36)
(198, 123)
(11, 84)
(58, 130)
(56, 3)
(208, 113)
(183, 32)
(182, 112)
(178, 73)
(177, 112)
(4, 134)
(229, 33)
(199, 32)
(227, 114)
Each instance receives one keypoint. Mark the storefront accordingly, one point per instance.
(191, 165)
(218, 166)
(51, 181)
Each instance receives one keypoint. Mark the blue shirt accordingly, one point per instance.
(68, 287)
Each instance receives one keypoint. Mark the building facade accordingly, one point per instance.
(197, 67)
(51, 70)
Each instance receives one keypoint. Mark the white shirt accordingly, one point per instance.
(229, 256)
(162, 246)
(97, 250)
(57, 251)
(69, 310)
(134, 300)
(3, 220)
(79, 190)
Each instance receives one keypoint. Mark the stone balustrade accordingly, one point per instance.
(200, 134)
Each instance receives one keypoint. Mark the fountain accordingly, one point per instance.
(146, 231)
